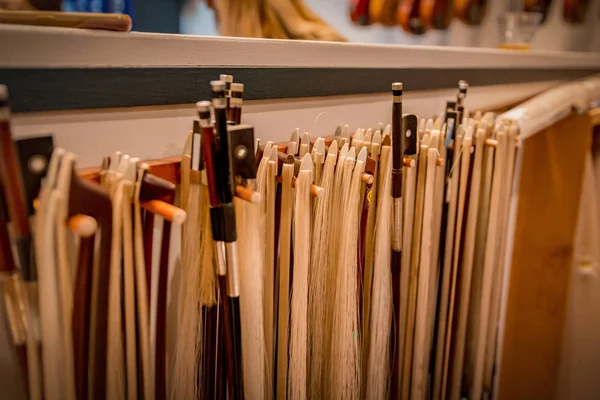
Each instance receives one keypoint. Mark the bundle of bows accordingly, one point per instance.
(365, 264)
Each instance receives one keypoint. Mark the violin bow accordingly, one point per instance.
(214, 361)
(410, 151)
(284, 267)
(420, 353)
(407, 368)
(397, 161)
(225, 184)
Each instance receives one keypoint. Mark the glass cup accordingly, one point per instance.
(517, 29)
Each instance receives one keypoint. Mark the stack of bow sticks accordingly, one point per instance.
(351, 266)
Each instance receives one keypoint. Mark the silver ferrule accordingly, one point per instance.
(233, 279)
(397, 224)
(221, 260)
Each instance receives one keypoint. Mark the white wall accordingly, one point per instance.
(555, 34)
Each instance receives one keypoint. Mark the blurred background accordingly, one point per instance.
(563, 25)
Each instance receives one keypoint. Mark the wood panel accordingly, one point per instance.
(549, 194)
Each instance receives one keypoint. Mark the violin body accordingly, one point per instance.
(471, 12)
(387, 12)
(436, 14)
(541, 6)
(574, 11)
(359, 12)
(409, 17)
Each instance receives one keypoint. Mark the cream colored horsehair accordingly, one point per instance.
(345, 346)
(369, 240)
(468, 252)
(50, 323)
(421, 353)
(497, 282)
(491, 263)
(51, 306)
(285, 237)
(437, 223)
(298, 362)
(34, 365)
(64, 271)
(333, 222)
(414, 270)
(408, 219)
(129, 170)
(269, 256)
(378, 363)
(257, 376)
(318, 273)
(262, 178)
(458, 210)
(142, 289)
(115, 374)
(188, 347)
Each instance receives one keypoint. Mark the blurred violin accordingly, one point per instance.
(471, 12)
(409, 17)
(436, 14)
(384, 12)
(574, 11)
(359, 12)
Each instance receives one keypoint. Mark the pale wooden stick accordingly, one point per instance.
(478, 260)
(468, 253)
(414, 269)
(269, 282)
(285, 236)
(64, 271)
(345, 349)
(421, 353)
(334, 221)
(463, 174)
(129, 281)
(34, 364)
(498, 280)
(298, 365)
(142, 289)
(50, 323)
(441, 358)
(378, 367)
(369, 240)
(437, 222)
(408, 219)
(256, 373)
(318, 274)
(493, 239)
(115, 375)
